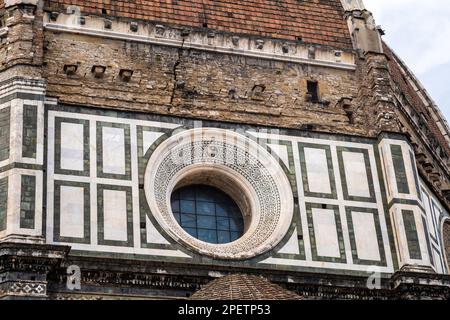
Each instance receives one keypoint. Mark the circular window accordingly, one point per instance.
(207, 214)
(209, 171)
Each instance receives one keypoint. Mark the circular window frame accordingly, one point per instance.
(268, 224)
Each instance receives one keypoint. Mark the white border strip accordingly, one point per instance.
(177, 43)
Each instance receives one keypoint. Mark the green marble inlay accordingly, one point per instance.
(86, 239)
(399, 168)
(347, 196)
(427, 237)
(101, 216)
(86, 147)
(312, 236)
(29, 131)
(412, 237)
(351, 231)
(127, 145)
(27, 202)
(3, 202)
(416, 178)
(5, 115)
(308, 193)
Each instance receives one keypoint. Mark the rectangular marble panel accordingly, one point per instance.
(437, 262)
(356, 174)
(317, 170)
(412, 237)
(365, 236)
(401, 176)
(72, 146)
(3, 202)
(29, 131)
(327, 241)
(113, 145)
(27, 202)
(115, 215)
(5, 127)
(72, 212)
(429, 213)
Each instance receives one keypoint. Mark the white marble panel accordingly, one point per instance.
(115, 215)
(153, 235)
(356, 174)
(429, 213)
(365, 236)
(291, 247)
(72, 212)
(281, 151)
(149, 138)
(327, 241)
(113, 150)
(437, 262)
(317, 170)
(72, 146)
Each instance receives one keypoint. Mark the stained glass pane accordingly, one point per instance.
(175, 206)
(207, 235)
(224, 236)
(206, 222)
(223, 223)
(207, 208)
(207, 214)
(188, 220)
(186, 206)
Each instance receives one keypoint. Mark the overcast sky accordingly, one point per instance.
(419, 32)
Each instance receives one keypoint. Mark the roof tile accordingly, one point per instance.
(318, 22)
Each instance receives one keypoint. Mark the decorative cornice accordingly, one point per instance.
(10, 3)
(211, 41)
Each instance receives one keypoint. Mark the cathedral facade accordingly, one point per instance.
(151, 148)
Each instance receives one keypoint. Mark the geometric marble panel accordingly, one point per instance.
(113, 150)
(115, 215)
(148, 138)
(291, 247)
(72, 146)
(325, 231)
(356, 174)
(317, 170)
(72, 212)
(153, 235)
(365, 236)
(281, 151)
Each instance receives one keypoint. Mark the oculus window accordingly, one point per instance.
(207, 214)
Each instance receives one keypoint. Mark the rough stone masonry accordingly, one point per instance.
(94, 95)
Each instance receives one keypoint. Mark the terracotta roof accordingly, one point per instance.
(319, 22)
(412, 96)
(243, 287)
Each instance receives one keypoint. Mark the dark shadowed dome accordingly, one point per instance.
(319, 22)
(243, 287)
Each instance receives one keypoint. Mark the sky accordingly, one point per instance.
(419, 32)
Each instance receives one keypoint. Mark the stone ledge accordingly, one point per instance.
(212, 41)
(10, 3)
(33, 250)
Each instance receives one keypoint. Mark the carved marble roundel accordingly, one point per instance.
(238, 166)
